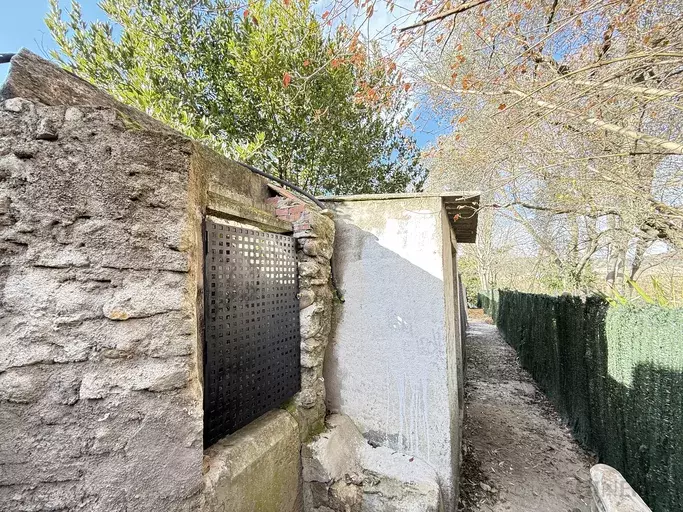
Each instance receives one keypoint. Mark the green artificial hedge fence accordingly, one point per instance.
(615, 373)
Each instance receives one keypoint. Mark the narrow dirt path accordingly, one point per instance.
(517, 454)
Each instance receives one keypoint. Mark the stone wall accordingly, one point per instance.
(101, 268)
(98, 375)
(315, 233)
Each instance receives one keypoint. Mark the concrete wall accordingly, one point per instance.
(392, 362)
(101, 268)
(454, 343)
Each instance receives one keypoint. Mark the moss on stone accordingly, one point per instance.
(316, 429)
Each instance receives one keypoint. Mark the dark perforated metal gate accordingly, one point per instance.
(251, 326)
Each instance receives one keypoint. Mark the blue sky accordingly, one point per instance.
(22, 25)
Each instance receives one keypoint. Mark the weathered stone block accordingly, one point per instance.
(145, 296)
(17, 104)
(309, 269)
(612, 493)
(134, 375)
(306, 298)
(311, 321)
(346, 497)
(359, 477)
(21, 386)
(47, 130)
(331, 456)
(400, 482)
(312, 355)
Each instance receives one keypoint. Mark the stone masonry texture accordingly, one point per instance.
(99, 397)
(100, 293)
(314, 232)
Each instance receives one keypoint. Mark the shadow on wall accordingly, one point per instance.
(615, 375)
(387, 365)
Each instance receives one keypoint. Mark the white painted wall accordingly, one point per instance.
(388, 363)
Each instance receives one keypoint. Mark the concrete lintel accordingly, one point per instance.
(222, 207)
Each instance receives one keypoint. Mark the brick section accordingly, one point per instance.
(292, 210)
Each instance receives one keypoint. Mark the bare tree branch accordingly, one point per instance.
(645, 91)
(431, 19)
(674, 147)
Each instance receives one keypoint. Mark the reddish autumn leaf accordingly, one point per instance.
(502, 106)
(286, 2)
(326, 14)
(406, 87)
(456, 216)
(462, 119)
(306, 63)
(286, 79)
(246, 13)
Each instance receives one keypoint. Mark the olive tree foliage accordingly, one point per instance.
(270, 83)
(567, 114)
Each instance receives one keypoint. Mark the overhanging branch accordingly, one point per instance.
(651, 140)
(445, 14)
